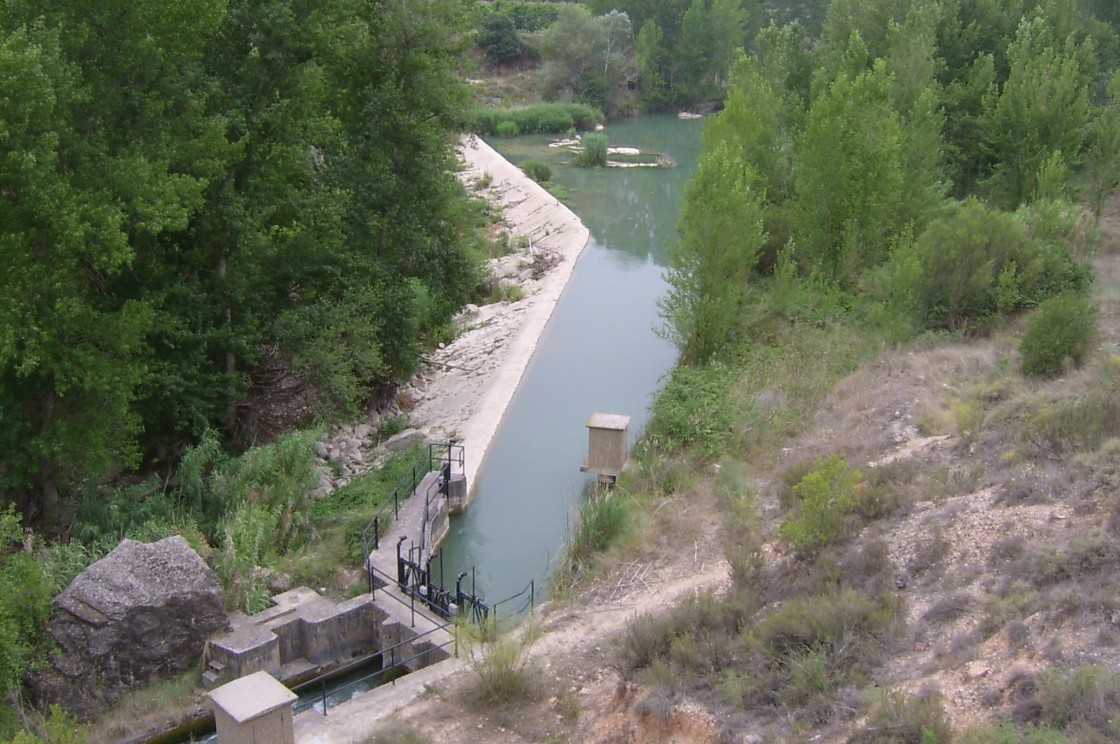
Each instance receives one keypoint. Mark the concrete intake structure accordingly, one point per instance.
(304, 636)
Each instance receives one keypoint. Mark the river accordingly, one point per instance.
(599, 352)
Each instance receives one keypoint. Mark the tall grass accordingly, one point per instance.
(548, 118)
(604, 519)
(500, 656)
(594, 152)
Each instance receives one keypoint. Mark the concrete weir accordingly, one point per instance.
(305, 635)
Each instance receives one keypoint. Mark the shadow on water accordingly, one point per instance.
(598, 353)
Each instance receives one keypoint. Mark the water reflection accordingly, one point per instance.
(598, 353)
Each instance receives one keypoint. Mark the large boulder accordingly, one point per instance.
(142, 612)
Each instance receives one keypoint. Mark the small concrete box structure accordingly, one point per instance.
(255, 709)
(607, 448)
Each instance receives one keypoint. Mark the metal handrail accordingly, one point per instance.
(530, 594)
(426, 525)
(406, 486)
(395, 664)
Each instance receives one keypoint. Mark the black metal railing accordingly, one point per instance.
(394, 663)
(528, 597)
(446, 457)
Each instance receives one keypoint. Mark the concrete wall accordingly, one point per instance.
(246, 651)
(275, 727)
(323, 633)
(346, 633)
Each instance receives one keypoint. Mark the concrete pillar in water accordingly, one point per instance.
(607, 446)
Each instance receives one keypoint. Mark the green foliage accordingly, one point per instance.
(25, 602)
(1061, 331)
(278, 477)
(793, 657)
(604, 519)
(588, 58)
(901, 719)
(594, 151)
(547, 118)
(693, 410)
(1007, 733)
(824, 500)
(507, 129)
(527, 16)
(341, 349)
(497, 38)
(850, 176)
(57, 727)
(247, 543)
(200, 222)
(1042, 110)
(255, 507)
(537, 170)
(712, 267)
(976, 264)
(1081, 701)
(1081, 423)
(366, 492)
(828, 623)
(686, 47)
(500, 656)
(702, 618)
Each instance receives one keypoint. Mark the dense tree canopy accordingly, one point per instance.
(193, 193)
(856, 141)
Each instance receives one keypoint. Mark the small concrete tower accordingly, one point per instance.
(607, 446)
(254, 709)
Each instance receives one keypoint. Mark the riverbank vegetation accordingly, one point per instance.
(219, 222)
(222, 223)
(890, 243)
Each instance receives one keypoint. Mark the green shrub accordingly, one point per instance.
(537, 170)
(978, 263)
(825, 498)
(344, 349)
(25, 602)
(528, 16)
(704, 618)
(835, 622)
(1061, 331)
(507, 128)
(497, 38)
(603, 520)
(693, 411)
(57, 727)
(1085, 699)
(1007, 733)
(594, 152)
(1079, 422)
(501, 659)
(547, 118)
(901, 719)
(248, 533)
(816, 644)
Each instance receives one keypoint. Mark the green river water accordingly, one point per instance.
(599, 353)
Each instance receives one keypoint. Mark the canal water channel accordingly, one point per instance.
(599, 352)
